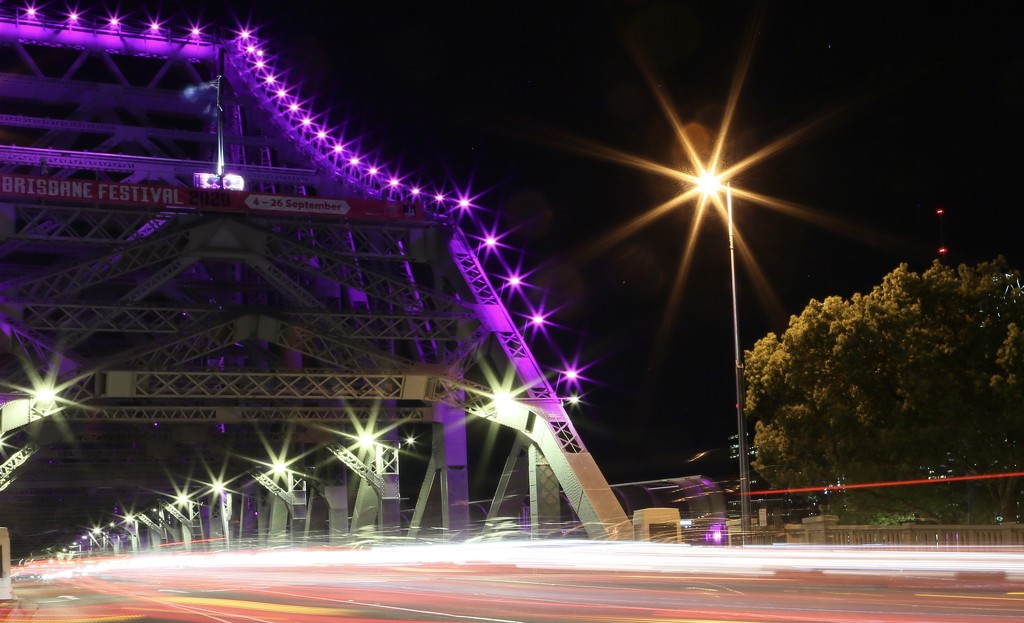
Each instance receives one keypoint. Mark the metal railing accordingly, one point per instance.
(825, 530)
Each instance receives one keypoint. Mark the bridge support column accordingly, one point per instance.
(218, 519)
(225, 507)
(187, 515)
(364, 515)
(175, 531)
(386, 467)
(283, 503)
(214, 521)
(187, 527)
(155, 538)
(277, 527)
(507, 508)
(248, 512)
(450, 426)
(299, 512)
(545, 493)
(263, 505)
(337, 514)
(132, 530)
(446, 474)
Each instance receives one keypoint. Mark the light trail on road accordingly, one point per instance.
(531, 582)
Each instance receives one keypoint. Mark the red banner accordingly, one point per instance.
(146, 195)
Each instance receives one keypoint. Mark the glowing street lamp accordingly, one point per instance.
(710, 184)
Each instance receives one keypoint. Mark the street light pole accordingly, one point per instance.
(741, 422)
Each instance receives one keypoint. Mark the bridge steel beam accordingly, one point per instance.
(320, 299)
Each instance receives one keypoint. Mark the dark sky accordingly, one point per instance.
(886, 114)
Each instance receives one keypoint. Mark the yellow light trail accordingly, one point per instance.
(981, 597)
(238, 604)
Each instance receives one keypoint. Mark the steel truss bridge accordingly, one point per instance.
(197, 282)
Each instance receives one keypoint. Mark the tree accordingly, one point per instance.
(922, 378)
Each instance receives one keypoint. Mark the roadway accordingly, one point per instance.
(529, 583)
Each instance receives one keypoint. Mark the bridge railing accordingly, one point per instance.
(826, 530)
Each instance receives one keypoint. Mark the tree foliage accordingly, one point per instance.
(922, 378)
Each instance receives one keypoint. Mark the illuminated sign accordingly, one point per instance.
(218, 200)
(230, 181)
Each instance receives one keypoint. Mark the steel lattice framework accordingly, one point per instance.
(131, 292)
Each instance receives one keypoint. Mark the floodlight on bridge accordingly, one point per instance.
(44, 396)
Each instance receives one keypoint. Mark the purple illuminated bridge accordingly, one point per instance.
(222, 321)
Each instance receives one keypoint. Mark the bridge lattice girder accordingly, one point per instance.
(135, 312)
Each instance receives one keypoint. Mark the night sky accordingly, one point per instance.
(874, 116)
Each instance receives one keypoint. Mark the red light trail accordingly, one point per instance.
(889, 483)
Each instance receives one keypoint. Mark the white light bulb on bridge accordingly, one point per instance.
(45, 395)
(505, 405)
